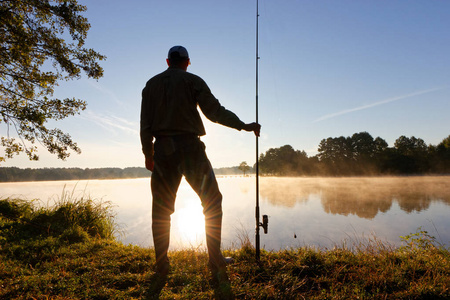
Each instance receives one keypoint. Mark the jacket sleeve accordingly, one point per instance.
(212, 108)
(146, 125)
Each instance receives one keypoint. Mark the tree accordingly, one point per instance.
(362, 145)
(244, 167)
(380, 145)
(336, 154)
(441, 156)
(34, 57)
(411, 155)
(410, 146)
(358, 154)
(284, 161)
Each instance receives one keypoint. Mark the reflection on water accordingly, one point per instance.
(364, 197)
(302, 211)
(333, 211)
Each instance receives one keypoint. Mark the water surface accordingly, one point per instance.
(321, 212)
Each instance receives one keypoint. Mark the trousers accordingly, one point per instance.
(175, 157)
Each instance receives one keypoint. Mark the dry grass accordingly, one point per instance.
(38, 263)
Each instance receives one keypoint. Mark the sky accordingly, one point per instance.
(327, 69)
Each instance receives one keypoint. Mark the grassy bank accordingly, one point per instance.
(68, 252)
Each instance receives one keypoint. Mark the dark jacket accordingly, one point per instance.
(169, 107)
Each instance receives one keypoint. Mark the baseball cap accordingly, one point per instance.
(177, 52)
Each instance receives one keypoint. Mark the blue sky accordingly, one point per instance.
(327, 69)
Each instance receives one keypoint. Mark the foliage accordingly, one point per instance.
(359, 154)
(68, 220)
(420, 240)
(244, 167)
(34, 56)
(282, 161)
(440, 155)
(12, 174)
(228, 171)
(49, 267)
(17, 174)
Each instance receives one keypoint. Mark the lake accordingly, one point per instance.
(321, 212)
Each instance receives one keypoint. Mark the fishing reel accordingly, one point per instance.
(265, 224)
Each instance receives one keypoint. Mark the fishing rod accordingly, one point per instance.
(265, 222)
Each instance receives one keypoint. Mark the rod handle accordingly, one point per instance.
(265, 224)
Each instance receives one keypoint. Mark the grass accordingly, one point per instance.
(68, 251)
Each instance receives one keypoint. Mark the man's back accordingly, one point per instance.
(169, 107)
(169, 104)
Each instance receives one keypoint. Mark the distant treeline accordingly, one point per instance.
(12, 174)
(50, 174)
(359, 154)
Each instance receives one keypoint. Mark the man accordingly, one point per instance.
(169, 115)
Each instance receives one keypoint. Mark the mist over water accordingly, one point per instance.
(332, 211)
(321, 212)
(364, 197)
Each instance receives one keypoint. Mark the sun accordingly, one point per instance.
(190, 223)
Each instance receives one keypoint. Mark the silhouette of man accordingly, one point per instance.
(169, 116)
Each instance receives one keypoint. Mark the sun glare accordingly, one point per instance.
(191, 224)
